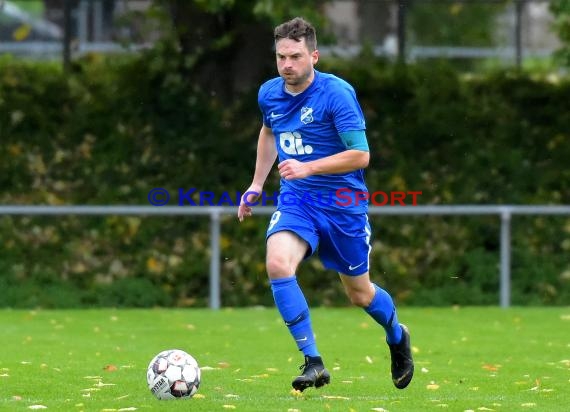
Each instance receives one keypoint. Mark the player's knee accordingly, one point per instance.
(359, 298)
(277, 267)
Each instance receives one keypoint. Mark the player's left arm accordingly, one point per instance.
(356, 156)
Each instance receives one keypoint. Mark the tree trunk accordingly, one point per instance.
(231, 49)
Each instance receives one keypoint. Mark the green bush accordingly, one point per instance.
(113, 129)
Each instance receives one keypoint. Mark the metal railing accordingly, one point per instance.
(505, 212)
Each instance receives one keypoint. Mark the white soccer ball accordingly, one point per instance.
(173, 374)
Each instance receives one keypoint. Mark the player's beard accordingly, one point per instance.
(296, 80)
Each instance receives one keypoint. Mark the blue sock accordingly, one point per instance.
(383, 311)
(295, 312)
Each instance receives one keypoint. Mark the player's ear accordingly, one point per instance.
(315, 56)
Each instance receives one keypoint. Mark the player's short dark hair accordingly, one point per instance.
(297, 29)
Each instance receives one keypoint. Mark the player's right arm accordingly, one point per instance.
(266, 155)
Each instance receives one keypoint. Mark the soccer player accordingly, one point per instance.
(313, 122)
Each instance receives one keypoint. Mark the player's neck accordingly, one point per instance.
(300, 89)
(289, 92)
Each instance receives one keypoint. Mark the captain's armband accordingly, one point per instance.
(355, 140)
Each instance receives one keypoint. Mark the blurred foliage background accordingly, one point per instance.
(183, 114)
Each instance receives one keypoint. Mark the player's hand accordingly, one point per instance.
(250, 196)
(293, 169)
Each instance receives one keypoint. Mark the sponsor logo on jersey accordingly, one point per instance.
(292, 144)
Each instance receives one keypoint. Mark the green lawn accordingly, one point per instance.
(467, 359)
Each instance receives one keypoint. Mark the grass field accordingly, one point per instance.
(467, 359)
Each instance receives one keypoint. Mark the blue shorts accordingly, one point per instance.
(342, 239)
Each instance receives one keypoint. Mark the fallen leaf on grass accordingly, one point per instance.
(199, 396)
(528, 405)
(110, 368)
(100, 383)
(536, 386)
(229, 406)
(263, 375)
(432, 386)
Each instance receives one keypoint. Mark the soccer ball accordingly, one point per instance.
(173, 374)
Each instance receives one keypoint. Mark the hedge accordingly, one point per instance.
(115, 128)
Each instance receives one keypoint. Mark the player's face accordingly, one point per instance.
(295, 63)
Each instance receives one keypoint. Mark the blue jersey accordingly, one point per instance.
(306, 127)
